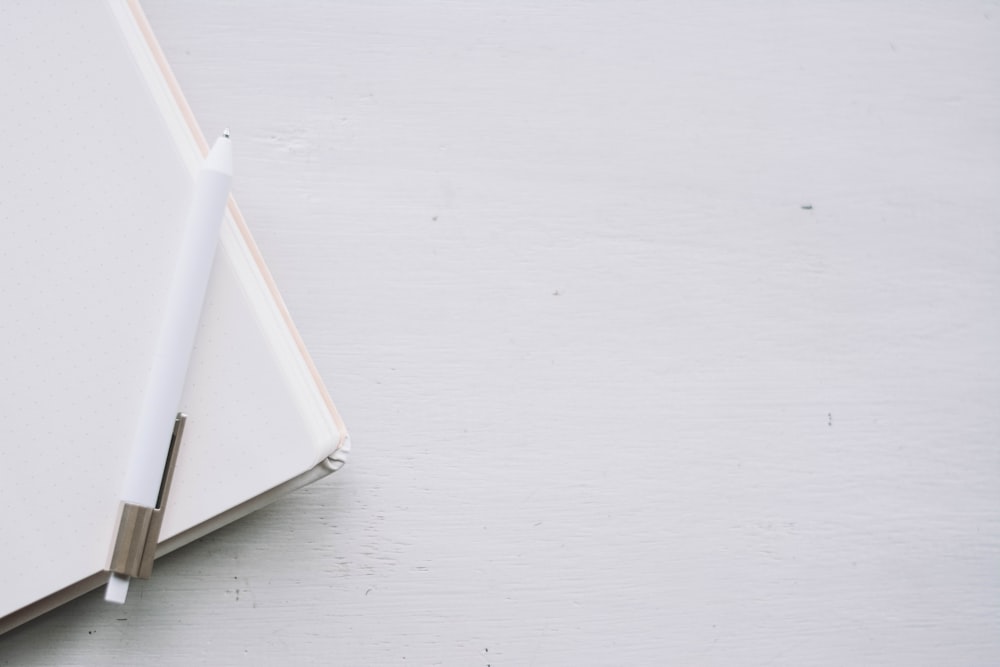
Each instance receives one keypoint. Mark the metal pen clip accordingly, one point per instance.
(139, 526)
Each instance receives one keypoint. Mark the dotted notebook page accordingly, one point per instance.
(95, 190)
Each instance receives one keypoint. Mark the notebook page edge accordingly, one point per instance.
(187, 131)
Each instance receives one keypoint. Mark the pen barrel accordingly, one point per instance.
(181, 315)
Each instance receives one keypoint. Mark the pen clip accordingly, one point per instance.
(139, 526)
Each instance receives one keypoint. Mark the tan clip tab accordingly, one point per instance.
(139, 527)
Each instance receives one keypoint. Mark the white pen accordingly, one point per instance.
(181, 314)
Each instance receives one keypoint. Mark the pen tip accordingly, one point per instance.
(225, 133)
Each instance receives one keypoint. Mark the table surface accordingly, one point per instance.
(666, 334)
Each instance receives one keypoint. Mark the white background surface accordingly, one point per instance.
(616, 396)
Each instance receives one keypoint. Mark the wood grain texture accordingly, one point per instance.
(666, 334)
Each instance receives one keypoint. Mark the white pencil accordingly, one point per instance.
(181, 314)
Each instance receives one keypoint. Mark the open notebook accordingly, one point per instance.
(99, 150)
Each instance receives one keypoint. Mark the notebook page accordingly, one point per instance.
(92, 188)
(257, 415)
(98, 178)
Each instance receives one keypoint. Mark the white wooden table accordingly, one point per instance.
(667, 333)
